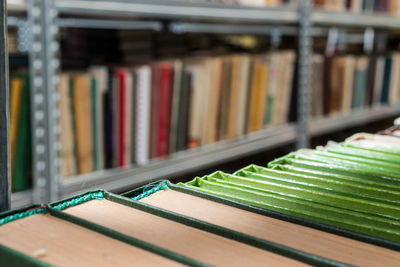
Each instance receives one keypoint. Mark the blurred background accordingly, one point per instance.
(115, 94)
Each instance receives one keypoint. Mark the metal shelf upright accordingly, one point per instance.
(5, 166)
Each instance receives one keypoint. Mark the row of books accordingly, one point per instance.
(354, 185)
(20, 132)
(343, 83)
(122, 116)
(391, 7)
(334, 206)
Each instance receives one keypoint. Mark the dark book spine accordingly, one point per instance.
(386, 79)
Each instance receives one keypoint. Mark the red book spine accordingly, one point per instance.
(121, 118)
(163, 128)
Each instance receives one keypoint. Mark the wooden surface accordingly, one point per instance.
(65, 244)
(185, 240)
(296, 236)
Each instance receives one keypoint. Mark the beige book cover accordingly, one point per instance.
(288, 73)
(317, 65)
(83, 126)
(295, 236)
(179, 238)
(129, 110)
(394, 79)
(258, 94)
(244, 93)
(61, 243)
(100, 73)
(234, 97)
(215, 68)
(198, 97)
(348, 83)
(67, 138)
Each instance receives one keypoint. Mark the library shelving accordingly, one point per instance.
(46, 17)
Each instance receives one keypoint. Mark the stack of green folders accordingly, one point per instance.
(334, 206)
(354, 185)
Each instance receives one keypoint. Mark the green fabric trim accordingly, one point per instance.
(124, 238)
(227, 233)
(151, 189)
(79, 200)
(22, 214)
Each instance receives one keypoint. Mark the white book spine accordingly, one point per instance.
(143, 115)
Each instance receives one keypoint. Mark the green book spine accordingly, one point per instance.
(268, 110)
(359, 87)
(22, 165)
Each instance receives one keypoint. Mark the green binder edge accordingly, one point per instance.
(279, 249)
(117, 235)
(277, 215)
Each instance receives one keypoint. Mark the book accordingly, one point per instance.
(16, 86)
(177, 237)
(143, 109)
(303, 238)
(164, 109)
(121, 95)
(100, 75)
(175, 106)
(40, 239)
(67, 136)
(244, 80)
(155, 105)
(378, 79)
(386, 80)
(348, 83)
(82, 118)
(22, 156)
(394, 79)
(360, 82)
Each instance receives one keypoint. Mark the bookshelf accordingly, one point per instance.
(176, 17)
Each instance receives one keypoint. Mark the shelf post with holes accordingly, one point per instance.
(304, 54)
(44, 64)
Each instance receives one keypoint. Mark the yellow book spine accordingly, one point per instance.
(15, 100)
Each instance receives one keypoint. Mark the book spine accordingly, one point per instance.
(143, 114)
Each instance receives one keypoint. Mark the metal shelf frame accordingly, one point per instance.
(46, 17)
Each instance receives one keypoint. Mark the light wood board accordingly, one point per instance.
(289, 234)
(179, 238)
(62, 243)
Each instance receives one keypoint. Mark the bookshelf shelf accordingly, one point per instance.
(321, 126)
(195, 27)
(350, 19)
(176, 10)
(181, 162)
(110, 24)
